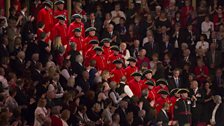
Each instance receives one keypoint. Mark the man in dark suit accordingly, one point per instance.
(162, 117)
(121, 110)
(218, 82)
(77, 66)
(218, 112)
(34, 60)
(151, 47)
(93, 22)
(214, 57)
(134, 49)
(176, 81)
(197, 99)
(36, 74)
(18, 64)
(166, 47)
(3, 47)
(139, 120)
(189, 37)
(187, 58)
(113, 35)
(83, 81)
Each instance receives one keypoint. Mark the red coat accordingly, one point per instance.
(152, 95)
(129, 70)
(60, 12)
(198, 70)
(160, 102)
(86, 44)
(78, 41)
(110, 60)
(140, 61)
(136, 87)
(46, 16)
(106, 51)
(100, 62)
(186, 13)
(56, 121)
(74, 25)
(39, 31)
(60, 30)
(117, 74)
(88, 56)
(173, 100)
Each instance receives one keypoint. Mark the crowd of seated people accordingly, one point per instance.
(112, 63)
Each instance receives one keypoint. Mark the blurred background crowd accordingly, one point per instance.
(112, 63)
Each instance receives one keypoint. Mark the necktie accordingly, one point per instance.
(177, 82)
(136, 53)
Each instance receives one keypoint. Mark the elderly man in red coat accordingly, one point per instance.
(118, 72)
(136, 84)
(164, 98)
(91, 36)
(90, 52)
(106, 47)
(60, 29)
(161, 84)
(150, 85)
(60, 10)
(114, 56)
(45, 15)
(131, 68)
(147, 75)
(78, 39)
(100, 59)
(77, 23)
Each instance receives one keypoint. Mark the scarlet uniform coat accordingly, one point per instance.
(152, 95)
(60, 30)
(88, 56)
(46, 16)
(117, 74)
(78, 41)
(107, 52)
(86, 44)
(160, 102)
(100, 62)
(75, 25)
(111, 59)
(136, 87)
(129, 70)
(60, 12)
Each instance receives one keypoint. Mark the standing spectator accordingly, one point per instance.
(41, 114)
(197, 98)
(60, 29)
(207, 27)
(217, 112)
(201, 72)
(45, 15)
(117, 14)
(176, 81)
(214, 57)
(44, 49)
(208, 103)
(142, 59)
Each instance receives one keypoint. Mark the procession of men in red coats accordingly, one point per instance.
(112, 63)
